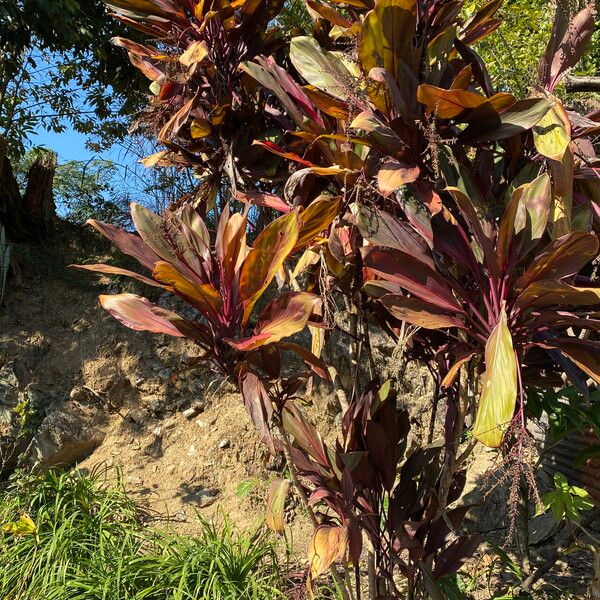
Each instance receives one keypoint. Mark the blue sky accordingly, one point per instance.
(70, 145)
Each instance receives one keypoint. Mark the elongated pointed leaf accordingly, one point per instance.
(128, 243)
(520, 117)
(320, 68)
(268, 254)
(317, 217)
(312, 360)
(276, 496)
(203, 296)
(414, 276)
(564, 257)
(469, 212)
(533, 211)
(230, 244)
(264, 199)
(452, 373)
(382, 229)
(419, 313)
(545, 293)
(499, 387)
(386, 37)
(282, 318)
(567, 44)
(584, 353)
(257, 403)
(110, 270)
(304, 435)
(447, 104)
(140, 314)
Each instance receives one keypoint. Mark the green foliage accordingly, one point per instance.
(512, 54)
(57, 68)
(73, 536)
(567, 410)
(93, 189)
(566, 501)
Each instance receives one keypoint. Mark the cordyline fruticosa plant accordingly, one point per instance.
(223, 281)
(201, 110)
(455, 208)
(368, 485)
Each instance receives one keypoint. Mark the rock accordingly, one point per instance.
(224, 444)
(10, 394)
(201, 496)
(70, 432)
(138, 415)
(154, 404)
(190, 413)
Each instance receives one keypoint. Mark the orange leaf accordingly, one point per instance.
(268, 254)
(393, 174)
(328, 545)
(447, 104)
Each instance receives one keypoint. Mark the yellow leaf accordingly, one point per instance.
(328, 545)
(196, 52)
(24, 525)
(200, 128)
(552, 134)
(203, 296)
(276, 496)
(499, 388)
(269, 252)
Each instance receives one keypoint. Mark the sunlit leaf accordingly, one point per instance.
(419, 313)
(552, 134)
(128, 243)
(269, 251)
(386, 38)
(520, 117)
(393, 174)
(545, 293)
(328, 545)
(320, 68)
(195, 53)
(203, 296)
(140, 314)
(499, 387)
(317, 217)
(282, 318)
(447, 104)
(276, 496)
(23, 526)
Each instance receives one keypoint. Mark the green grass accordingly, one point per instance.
(89, 543)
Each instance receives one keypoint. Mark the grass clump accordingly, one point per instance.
(73, 536)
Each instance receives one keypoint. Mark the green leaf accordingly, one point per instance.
(321, 68)
(520, 117)
(499, 386)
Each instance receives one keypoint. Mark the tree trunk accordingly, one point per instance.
(582, 84)
(28, 217)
